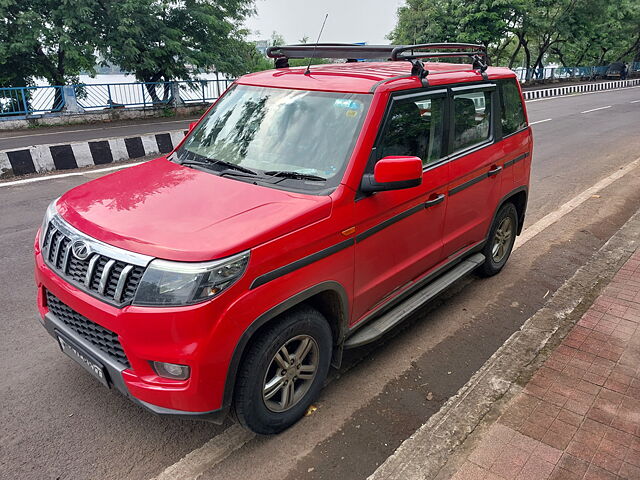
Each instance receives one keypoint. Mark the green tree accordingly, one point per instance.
(601, 32)
(161, 40)
(53, 39)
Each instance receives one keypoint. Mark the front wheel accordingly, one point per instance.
(502, 236)
(283, 371)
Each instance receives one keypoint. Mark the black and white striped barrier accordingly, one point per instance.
(585, 87)
(43, 158)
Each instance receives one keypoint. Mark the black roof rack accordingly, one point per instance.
(450, 50)
(391, 52)
(413, 53)
(332, 50)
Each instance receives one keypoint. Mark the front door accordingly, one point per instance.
(399, 232)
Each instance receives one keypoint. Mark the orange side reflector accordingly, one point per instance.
(349, 231)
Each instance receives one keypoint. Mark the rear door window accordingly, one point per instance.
(414, 127)
(472, 118)
(512, 112)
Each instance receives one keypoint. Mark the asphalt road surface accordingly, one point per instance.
(57, 422)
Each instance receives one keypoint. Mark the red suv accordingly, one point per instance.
(308, 211)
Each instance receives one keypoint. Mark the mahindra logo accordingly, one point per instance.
(80, 250)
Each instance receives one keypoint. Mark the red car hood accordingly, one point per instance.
(178, 213)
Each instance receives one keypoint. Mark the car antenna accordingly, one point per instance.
(308, 70)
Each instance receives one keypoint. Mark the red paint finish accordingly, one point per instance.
(397, 169)
(390, 240)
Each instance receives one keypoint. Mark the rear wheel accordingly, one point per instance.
(283, 372)
(502, 236)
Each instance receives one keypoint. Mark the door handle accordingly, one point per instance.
(434, 201)
(494, 171)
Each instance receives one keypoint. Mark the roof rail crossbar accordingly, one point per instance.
(459, 50)
(413, 53)
(331, 50)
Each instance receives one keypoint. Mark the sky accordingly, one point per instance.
(349, 20)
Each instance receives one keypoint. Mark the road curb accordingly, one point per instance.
(103, 151)
(571, 89)
(426, 452)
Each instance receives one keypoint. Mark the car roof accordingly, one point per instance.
(365, 77)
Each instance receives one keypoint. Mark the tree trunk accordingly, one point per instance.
(527, 58)
(151, 79)
(515, 54)
(604, 53)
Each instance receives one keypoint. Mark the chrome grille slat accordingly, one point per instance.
(47, 240)
(90, 269)
(67, 256)
(124, 275)
(109, 273)
(105, 274)
(56, 248)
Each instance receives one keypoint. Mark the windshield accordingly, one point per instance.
(291, 135)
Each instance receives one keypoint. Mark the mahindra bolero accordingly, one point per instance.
(310, 210)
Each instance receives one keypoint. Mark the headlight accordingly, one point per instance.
(166, 283)
(48, 215)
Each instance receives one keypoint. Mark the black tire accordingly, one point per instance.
(494, 263)
(255, 412)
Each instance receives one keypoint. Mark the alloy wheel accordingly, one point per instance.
(502, 240)
(290, 373)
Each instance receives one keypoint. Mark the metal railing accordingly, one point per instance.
(30, 100)
(198, 91)
(552, 73)
(26, 101)
(92, 96)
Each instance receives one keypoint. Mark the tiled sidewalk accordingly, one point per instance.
(579, 416)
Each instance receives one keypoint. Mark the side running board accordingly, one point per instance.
(378, 327)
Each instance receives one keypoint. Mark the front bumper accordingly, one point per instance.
(115, 373)
(195, 335)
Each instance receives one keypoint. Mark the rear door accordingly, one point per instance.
(399, 232)
(476, 167)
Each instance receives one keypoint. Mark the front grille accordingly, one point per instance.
(104, 339)
(108, 278)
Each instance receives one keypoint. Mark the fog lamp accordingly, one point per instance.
(171, 370)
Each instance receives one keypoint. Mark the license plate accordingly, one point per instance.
(92, 366)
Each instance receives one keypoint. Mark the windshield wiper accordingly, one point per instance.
(295, 175)
(209, 163)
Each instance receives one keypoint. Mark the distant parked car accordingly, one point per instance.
(614, 70)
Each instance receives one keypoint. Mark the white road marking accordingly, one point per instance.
(540, 121)
(214, 451)
(572, 204)
(100, 128)
(635, 101)
(596, 109)
(579, 94)
(63, 175)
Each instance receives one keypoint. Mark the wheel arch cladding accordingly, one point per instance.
(329, 298)
(518, 197)
(519, 200)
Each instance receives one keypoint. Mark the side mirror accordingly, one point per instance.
(192, 125)
(393, 173)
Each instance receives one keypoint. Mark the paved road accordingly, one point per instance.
(16, 139)
(57, 422)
